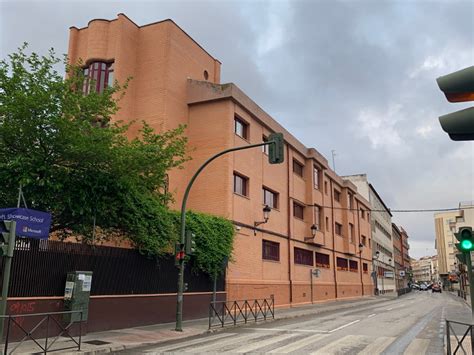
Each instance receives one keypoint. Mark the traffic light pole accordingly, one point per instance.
(179, 304)
(6, 276)
(471, 281)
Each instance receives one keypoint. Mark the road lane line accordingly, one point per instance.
(377, 346)
(289, 330)
(389, 309)
(344, 345)
(417, 346)
(262, 344)
(344, 326)
(298, 344)
(190, 342)
(371, 315)
(241, 338)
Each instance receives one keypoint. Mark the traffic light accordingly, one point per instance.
(179, 253)
(275, 150)
(458, 87)
(7, 238)
(190, 243)
(465, 238)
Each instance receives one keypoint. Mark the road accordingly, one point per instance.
(411, 324)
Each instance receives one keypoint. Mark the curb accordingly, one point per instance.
(115, 348)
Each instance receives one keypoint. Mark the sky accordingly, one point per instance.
(356, 77)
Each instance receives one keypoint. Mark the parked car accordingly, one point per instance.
(415, 286)
(436, 288)
(423, 287)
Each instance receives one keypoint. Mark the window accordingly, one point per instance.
(326, 187)
(362, 213)
(341, 264)
(337, 195)
(327, 224)
(364, 240)
(370, 246)
(351, 232)
(98, 76)
(316, 177)
(265, 148)
(322, 260)
(240, 184)
(349, 200)
(303, 256)
(338, 228)
(318, 216)
(353, 266)
(270, 198)
(298, 210)
(365, 268)
(241, 128)
(298, 168)
(270, 250)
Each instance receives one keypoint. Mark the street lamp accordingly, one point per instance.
(314, 229)
(266, 216)
(375, 272)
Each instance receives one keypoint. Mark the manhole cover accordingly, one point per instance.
(96, 342)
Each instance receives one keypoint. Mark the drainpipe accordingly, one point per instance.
(360, 250)
(333, 238)
(289, 223)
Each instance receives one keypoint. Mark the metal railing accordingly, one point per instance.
(223, 313)
(403, 291)
(44, 323)
(459, 341)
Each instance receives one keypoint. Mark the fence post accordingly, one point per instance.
(7, 335)
(448, 339)
(47, 333)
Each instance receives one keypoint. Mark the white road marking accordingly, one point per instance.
(262, 344)
(343, 345)
(289, 330)
(377, 346)
(241, 338)
(190, 342)
(389, 309)
(371, 315)
(418, 347)
(344, 326)
(298, 344)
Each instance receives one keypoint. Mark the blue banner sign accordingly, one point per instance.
(29, 223)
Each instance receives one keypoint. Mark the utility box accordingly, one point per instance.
(76, 295)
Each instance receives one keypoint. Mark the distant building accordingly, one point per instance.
(400, 252)
(381, 224)
(446, 224)
(422, 269)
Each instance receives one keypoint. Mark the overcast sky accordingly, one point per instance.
(357, 77)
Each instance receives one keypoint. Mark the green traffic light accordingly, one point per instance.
(466, 244)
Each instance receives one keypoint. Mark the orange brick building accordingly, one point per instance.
(175, 81)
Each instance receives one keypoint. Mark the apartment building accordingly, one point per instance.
(446, 224)
(317, 219)
(422, 269)
(405, 249)
(381, 225)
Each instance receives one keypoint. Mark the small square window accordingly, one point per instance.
(241, 128)
(353, 266)
(270, 250)
(337, 195)
(240, 184)
(298, 168)
(365, 268)
(338, 228)
(303, 256)
(298, 210)
(342, 264)
(270, 198)
(322, 260)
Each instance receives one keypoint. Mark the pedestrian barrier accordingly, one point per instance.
(223, 313)
(41, 329)
(402, 291)
(460, 343)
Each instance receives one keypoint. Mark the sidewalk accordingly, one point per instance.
(130, 338)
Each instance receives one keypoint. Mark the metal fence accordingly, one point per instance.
(39, 268)
(464, 341)
(40, 331)
(234, 312)
(403, 291)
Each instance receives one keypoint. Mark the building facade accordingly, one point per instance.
(422, 269)
(381, 225)
(317, 219)
(398, 258)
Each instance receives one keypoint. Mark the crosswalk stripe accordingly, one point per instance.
(190, 342)
(261, 344)
(417, 347)
(222, 344)
(342, 345)
(298, 344)
(377, 346)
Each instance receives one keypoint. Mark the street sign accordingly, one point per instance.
(317, 272)
(388, 274)
(402, 273)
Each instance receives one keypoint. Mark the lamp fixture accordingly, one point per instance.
(266, 216)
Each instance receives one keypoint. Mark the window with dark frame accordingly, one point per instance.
(240, 184)
(298, 168)
(326, 187)
(341, 264)
(327, 224)
(270, 250)
(338, 228)
(270, 198)
(97, 77)
(303, 256)
(365, 267)
(337, 195)
(349, 200)
(316, 177)
(353, 266)
(298, 210)
(322, 260)
(362, 213)
(351, 232)
(241, 128)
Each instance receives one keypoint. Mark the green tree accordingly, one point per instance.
(74, 161)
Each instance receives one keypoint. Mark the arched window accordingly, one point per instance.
(98, 76)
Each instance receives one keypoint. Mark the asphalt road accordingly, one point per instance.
(411, 324)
